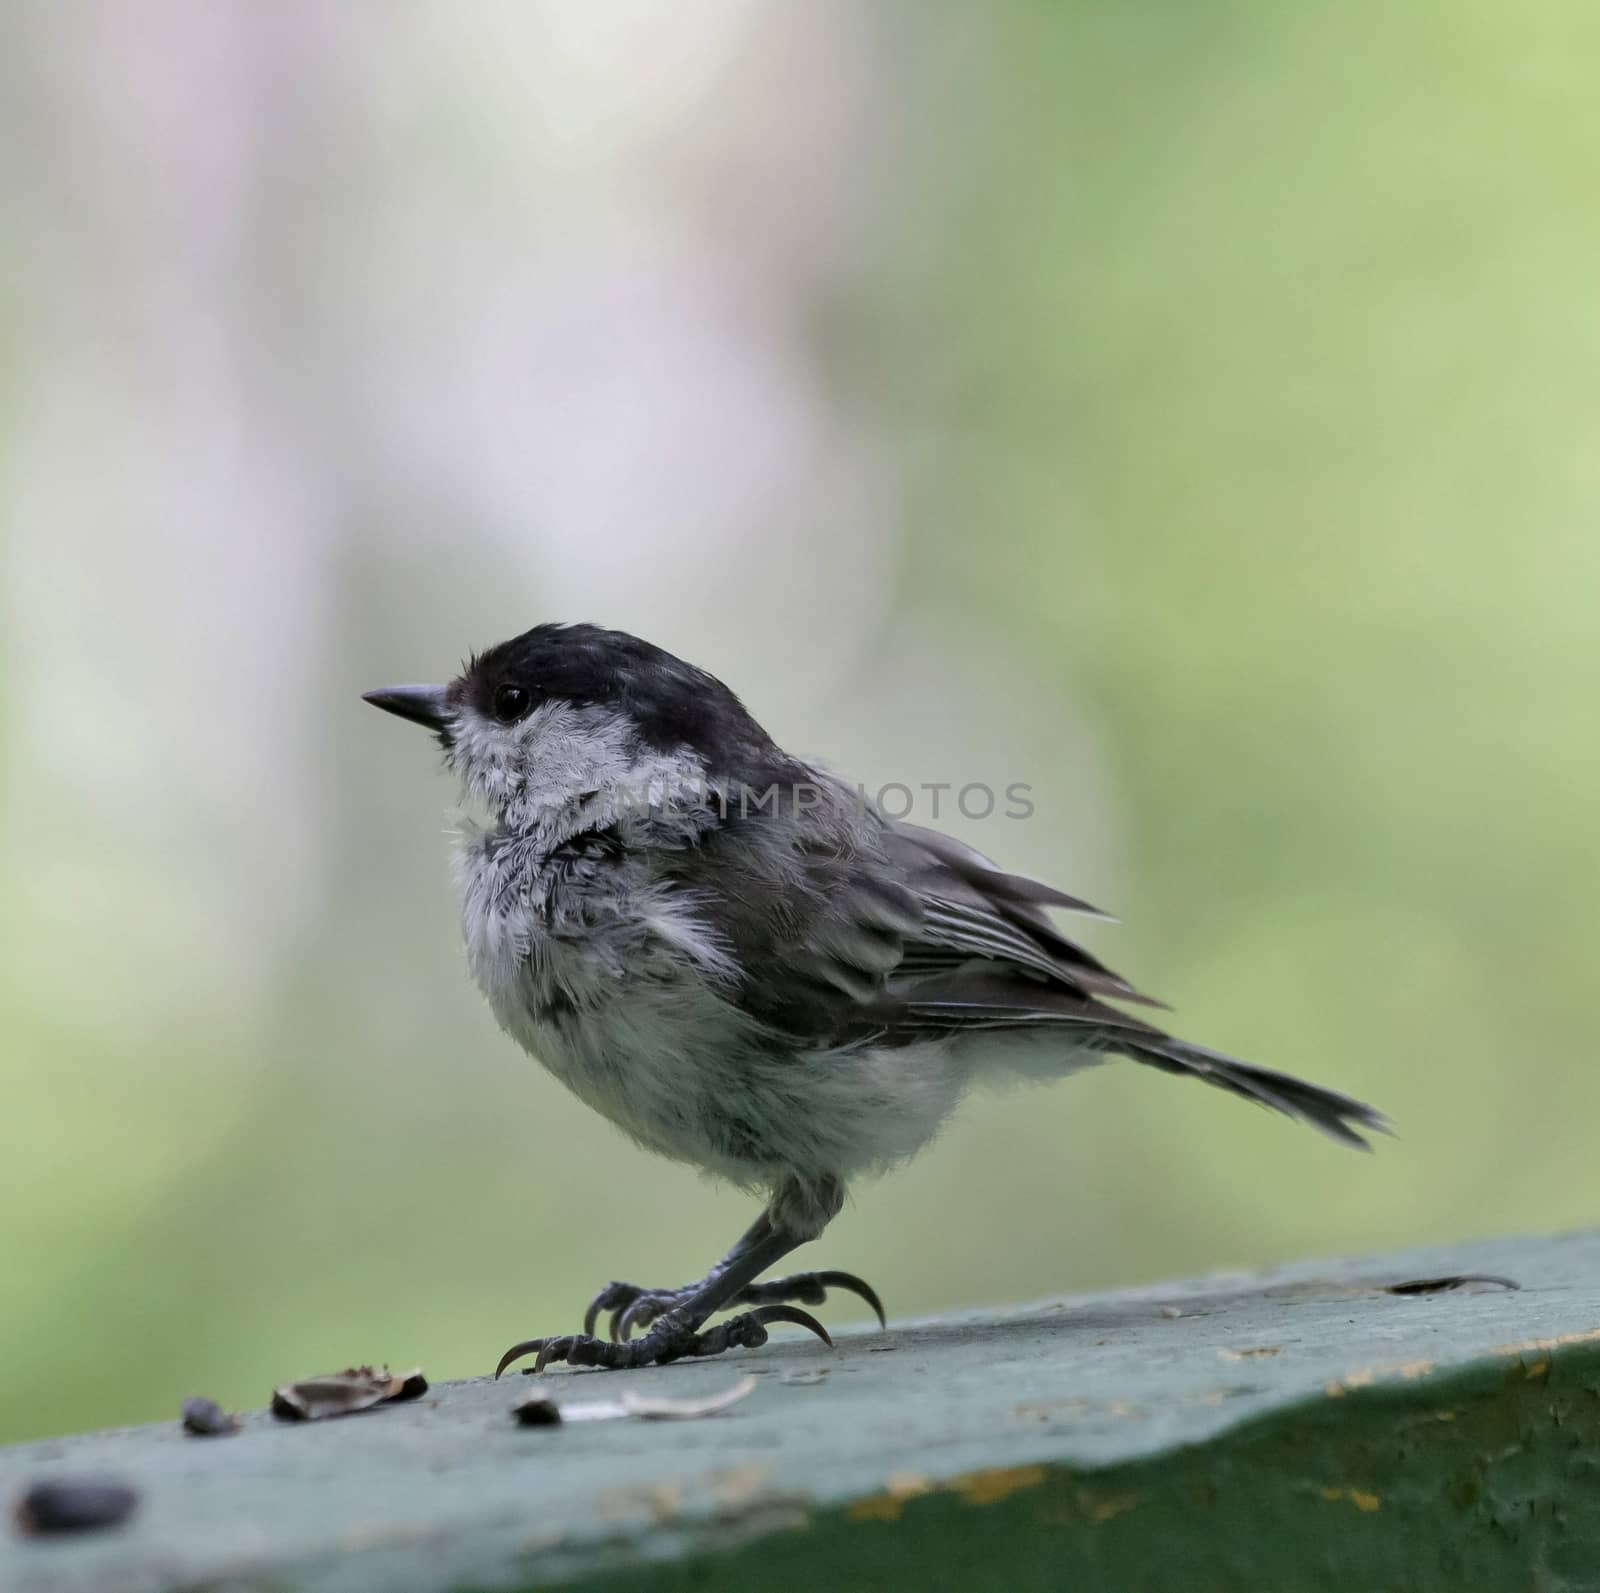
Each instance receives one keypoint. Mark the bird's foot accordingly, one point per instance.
(672, 1329)
(632, 1306)
(669, 1338)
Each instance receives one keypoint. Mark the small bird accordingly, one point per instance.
(740, 961)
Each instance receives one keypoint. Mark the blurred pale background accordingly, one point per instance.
(1190, 410)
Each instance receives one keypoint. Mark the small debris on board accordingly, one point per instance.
(540, 1410)
(1444, 1285)
(1170, 1311)
(74, 1505)
(205, 1418)
(344, 1393)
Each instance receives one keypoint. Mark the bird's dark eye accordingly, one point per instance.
(511, 703)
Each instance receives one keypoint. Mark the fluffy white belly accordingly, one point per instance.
(684, 1074)
(628, 1014)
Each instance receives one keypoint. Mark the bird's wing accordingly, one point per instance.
(892, 933)
(972, 909)
(837, 919)
(813, 917)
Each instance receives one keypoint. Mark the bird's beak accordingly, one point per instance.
(422, 705)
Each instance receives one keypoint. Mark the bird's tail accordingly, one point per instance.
(1336, 1115)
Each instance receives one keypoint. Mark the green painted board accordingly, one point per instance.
(1300, 1428)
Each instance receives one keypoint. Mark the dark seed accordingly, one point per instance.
(413, 1385)
(205, 1418)
(536, 1411)
(68, 1506)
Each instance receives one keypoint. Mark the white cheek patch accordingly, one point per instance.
(532, 772)
(480, 755)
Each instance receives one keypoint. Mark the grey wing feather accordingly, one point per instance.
(971, 999)
(973, 909)
(919, 847)
(862, 928)
(825, 910)
(812, 916)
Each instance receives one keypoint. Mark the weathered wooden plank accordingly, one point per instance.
(1297, 1428)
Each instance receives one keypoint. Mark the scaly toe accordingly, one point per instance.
(640, 1313)
(749, 1331)
(668, 1339)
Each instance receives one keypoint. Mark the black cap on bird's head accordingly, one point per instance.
(665, 704)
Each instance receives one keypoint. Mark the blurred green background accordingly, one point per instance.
(1187, 409)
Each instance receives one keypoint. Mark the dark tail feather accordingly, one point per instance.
(1327, 1110)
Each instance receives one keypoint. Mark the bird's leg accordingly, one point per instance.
(799, 1208)
(676, 1331)
(675, 1319)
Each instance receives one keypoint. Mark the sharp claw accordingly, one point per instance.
(792, 1313)
(658, 1347)
(632, 1307)
(615, 1297)
(641, 1313)
(517, 1351)
(848, 1280)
